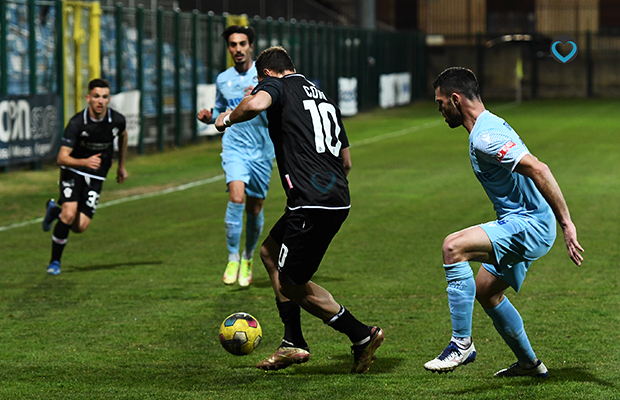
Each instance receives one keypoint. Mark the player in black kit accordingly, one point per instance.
(85, 157)
(313, 158)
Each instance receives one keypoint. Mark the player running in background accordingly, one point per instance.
(247, 155)
(527, 201)
(313, 158)
(85, 157)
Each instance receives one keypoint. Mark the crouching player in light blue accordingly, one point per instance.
(247, 155)
(527, 201)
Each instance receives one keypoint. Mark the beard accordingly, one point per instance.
(453, 116)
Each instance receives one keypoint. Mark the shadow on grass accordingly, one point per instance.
(384, 365)
(101, 267)
(266, 283)
(557, 376)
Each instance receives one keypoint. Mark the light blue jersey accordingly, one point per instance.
(249, 139)
(495, 151)
(525, 228)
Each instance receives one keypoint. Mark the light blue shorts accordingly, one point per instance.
(516, 243)
(255, 174)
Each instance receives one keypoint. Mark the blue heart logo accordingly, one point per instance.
(321, 188)
(564, 40)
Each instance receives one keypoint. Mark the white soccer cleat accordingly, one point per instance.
(451, 357)
(538, 371)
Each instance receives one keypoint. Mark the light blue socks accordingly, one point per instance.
(461, 296)
(234, 226)
(509, 325)
(253, 229)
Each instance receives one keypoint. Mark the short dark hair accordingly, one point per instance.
(460, 80)
(98, 82)
(246, 30)
(275, 59)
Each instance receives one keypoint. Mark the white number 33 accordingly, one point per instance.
(93, 199)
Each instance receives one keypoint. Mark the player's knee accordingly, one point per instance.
(237, 198)
(67, 216)
(451, 250)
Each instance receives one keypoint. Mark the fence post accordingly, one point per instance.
(4, 60)
(362, 79)
(281, 31)
(534, 55)
(140, 72)
(160, 78)
(194, 75)
(293, 39)
(480, 61)
(303, 47)
(269, 31)
(60, 64)
(118, 24)
(312, 53)
(337, 52)
(32, 48)
(177, 79)
(210, 47)
(589, 65)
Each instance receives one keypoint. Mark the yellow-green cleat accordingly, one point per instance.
(245, 272)
(230, 275)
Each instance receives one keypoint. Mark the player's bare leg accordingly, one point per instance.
(70, 219)
(294, 349)
(320, 303)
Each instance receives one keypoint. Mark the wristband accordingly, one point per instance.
(226, 120)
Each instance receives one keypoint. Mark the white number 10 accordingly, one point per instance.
(323, 126)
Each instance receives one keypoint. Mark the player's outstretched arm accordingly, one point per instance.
(249, 108)
(121, 173)
(544, 180)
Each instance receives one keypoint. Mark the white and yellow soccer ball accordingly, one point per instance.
(240, 334)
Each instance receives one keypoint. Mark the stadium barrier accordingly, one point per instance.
(167, 56)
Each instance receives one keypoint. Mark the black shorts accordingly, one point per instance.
(304, 235)
(83, 189)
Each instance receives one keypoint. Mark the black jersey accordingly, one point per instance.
(88, 137)
(306, 129)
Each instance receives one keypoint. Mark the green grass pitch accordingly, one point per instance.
(136, 311)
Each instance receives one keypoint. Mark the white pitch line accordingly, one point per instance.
(201, 182)
(127, 199)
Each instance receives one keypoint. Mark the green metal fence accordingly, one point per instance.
(166, 54)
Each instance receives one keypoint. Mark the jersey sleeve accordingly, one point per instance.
(70, 135)
(220, 103)
(273, 86)
(500, 149)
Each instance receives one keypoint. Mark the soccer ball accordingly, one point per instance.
(240, 334)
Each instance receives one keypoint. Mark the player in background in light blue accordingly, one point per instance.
(527, 201)
(247, 155)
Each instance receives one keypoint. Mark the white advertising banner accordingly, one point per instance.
(128, 104)
(394, 89)
(206, 99)
(347, 96)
